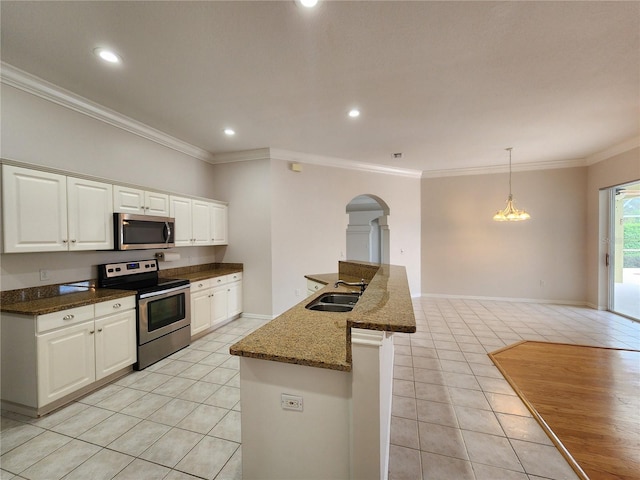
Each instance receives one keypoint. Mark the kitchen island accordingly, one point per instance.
(316, 385)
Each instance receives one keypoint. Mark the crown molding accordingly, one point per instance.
(299, 157)
(324, 161)
(613, 151)
(241, 156)
(14, 77)
(520, 167)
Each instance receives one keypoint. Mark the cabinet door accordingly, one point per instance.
(201, 311)
(219, 305)
(201, 222)
(156, 204)
(90, 214)
(66, 361)
(34, 210)
(219, 224)
(115, 338)
(234, 292)
(128, 200)
(180, 209)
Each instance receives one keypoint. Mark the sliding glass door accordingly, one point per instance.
(624, 252)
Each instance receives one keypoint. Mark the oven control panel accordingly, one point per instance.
(112, 270)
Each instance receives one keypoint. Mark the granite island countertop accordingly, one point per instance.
(323, 339)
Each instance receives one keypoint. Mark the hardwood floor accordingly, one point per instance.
(586, 398)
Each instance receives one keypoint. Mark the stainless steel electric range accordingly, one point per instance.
(163, 307)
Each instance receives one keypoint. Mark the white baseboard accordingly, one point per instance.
(507, 299)
(257, 316)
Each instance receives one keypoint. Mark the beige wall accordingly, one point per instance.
(285, 224)
(309, 223)
(619, 169)
(41, 133)
(466, 253)
(247, 188)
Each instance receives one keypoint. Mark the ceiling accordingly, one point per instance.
(448, 84)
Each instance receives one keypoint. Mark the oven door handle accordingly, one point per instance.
(164, 292)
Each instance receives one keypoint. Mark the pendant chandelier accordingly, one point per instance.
(510, 213)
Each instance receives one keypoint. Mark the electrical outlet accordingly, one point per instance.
(44, 275)
(291, 402)
(297, 292)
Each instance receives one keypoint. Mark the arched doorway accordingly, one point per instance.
(368, 230)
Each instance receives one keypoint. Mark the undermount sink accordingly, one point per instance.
(330, 307)
(341, 298)
(335, 302)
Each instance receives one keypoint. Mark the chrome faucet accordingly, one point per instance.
(360, 284)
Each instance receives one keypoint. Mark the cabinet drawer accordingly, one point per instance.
(201, 285)
(64, 318)
(221, 280)
(115, 306)
(234, 277)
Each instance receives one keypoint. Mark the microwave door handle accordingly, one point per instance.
(166, 225)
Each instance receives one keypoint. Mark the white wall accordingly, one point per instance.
(466, 253)
(621, 168)
(309, 223)
(42, 133)
(247, 187)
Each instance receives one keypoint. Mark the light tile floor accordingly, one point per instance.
(454, 416)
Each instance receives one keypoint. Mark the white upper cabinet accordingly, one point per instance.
(219, 224)
(180, 209)
(140, 202)
(34, 208)
(196, 221)
(89, 215)
(200, 222)
(47, 212)
(51, 212)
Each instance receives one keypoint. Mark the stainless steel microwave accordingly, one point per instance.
(141, 232)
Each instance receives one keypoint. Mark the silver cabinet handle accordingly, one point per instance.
(73, 241)
(199, 285)
(68, 317)
(91, 332)
(65, 241)
(116, 305)
(99, 330)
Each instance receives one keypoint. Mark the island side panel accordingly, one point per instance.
(278, 443)
(372, 383)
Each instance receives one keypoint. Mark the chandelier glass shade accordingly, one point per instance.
(510, 213)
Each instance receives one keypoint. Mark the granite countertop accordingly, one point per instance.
(211, 273)
(54, 298)
(323, 339)
(70, 296)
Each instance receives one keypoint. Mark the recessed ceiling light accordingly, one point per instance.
(354, 112)
(107, 55)
(308, 3)
(229, 131)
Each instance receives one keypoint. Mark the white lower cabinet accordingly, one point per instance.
(65, 361)
(200, 306)
(47, 357)
(115, 342)
(214, 301)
